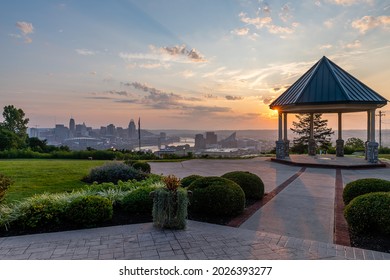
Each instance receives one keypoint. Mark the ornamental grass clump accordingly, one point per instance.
(170, 204)
(5, 183)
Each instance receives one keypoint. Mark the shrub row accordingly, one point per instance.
(362, 186)
(93, 206)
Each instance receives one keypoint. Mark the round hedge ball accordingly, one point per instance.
(362, 186)
(216, 197)
(186, 181)
(250, 183)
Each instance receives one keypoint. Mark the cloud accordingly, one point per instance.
(187, 74)
(85, 52)
(230, 97)
(329, 23)
(115, 92)
(370, 22)
(241, 31)
(354, 45)
(285, 14)
(182, 51)
(160, 57)
(25, 27)
(267, 23)
(326, 47)
(258, 22)
(268, 100)
(349, 2)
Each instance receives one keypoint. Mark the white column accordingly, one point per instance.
(340, 127)
(311, 126)
(280, 136)
(285, 126)
(368, 126)
(372, 125)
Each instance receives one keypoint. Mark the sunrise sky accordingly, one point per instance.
(184, 64)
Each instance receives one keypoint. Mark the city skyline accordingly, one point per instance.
(204, 65)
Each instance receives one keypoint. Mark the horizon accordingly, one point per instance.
(203, 65)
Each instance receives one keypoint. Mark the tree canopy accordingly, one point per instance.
(13, 130)
(322, 134)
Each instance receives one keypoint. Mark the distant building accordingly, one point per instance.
(229, 142)
(111, 130)
(60, 133)
(132, 130)
(72, 128)
(200, 142)
(103, 131)
(211, 138)
(81, 130)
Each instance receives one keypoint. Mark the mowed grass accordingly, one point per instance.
(35, 176)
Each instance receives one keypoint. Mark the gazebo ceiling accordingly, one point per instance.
(326, 88)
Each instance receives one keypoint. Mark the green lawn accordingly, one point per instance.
(33, 176)
(385, 156)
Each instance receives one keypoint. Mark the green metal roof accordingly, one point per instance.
(326, 83)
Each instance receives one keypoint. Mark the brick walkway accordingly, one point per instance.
(199, 241)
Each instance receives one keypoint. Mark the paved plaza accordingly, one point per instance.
(297, 223)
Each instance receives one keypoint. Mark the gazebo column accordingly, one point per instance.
(372, 146)
(286, 141)
(340, 141)
(280, 143)
(312, 142)
(368, 136)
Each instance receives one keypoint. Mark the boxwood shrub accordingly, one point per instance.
(113, 172)
(142, 166)
(216, 196)
(186, 181)
(139, 200)
(89, 211)
(250, 183)
(369, 213)
(363, 186)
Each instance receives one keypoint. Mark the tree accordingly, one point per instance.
(15, 121)
(322, 134)
(355, 143)
(13, 128)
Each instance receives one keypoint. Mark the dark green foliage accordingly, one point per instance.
(170, 208)
(363, 186)
(216, 196)
(113, 172)
(186, 181)
(89, 211)
(5, 182)
(142, 166)
(40, 212)
(356, 144)
(322, 134)
(250, 183)
(138, 201)
(369, 213)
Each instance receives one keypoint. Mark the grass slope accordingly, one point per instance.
(33, 176)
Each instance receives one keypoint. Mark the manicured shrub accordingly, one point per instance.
(5, 183)
(142, 166)
(363, 186)
(250, 183)
(369, 213)
(139, 200)
(113, 172)
(186, 181)
(39, 212)
(216, 196)
(89, 211)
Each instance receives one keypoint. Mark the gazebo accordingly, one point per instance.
(326, 88)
